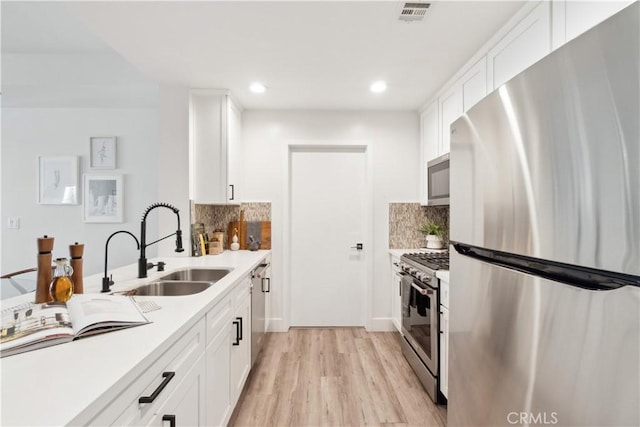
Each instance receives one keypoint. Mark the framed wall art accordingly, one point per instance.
(103, 198)
(58, 180)
(102, 152)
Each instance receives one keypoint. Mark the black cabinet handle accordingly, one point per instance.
(240, 335)
(171, 419)
(233, 192)
(400, 288)
(237, 341)
(168, 376)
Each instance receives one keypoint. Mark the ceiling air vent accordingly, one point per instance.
(414, 11)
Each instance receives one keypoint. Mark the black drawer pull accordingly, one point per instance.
(240, 334)
(237, 341)
(168, 376)
(233, 192)
(171, 419)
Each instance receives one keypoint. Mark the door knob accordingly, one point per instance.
(358, 246)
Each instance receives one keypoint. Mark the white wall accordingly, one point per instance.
(51, 105)
(394, 138)
(31, 132)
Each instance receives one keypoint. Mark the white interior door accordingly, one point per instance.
(327, 219)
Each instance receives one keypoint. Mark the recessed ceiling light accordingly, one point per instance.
(257, 87)
(379, 86)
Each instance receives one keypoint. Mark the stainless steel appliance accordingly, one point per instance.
(438, 181)
(545, 220)
(420, 314)
(260, 284)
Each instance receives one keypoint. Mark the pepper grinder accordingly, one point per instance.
(75, 252)
(44, 275)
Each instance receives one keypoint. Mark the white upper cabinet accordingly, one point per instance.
(474, 84)
(572, 18)
(216, 152)
(527, 43)
(450, 109)
(429, 145)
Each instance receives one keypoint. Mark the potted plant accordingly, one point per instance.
(434, 233)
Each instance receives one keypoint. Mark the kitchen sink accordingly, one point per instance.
(187, 281)
(196, 275)
(172, 288)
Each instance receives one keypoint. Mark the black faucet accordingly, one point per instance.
(106, 280)
(142, 261)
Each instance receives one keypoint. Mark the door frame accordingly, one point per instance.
(350, 146)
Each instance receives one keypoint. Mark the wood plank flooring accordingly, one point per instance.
(334, 377)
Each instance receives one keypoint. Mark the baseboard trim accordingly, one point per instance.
(381, 324)
(278, 325)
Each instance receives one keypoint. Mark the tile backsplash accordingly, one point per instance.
(406, 218)
(219, 216)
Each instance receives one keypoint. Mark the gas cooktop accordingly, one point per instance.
(432, 260)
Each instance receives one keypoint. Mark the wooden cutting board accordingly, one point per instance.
(265, 230)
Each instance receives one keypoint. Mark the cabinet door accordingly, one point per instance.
(474, 84)
(234, 151)
(218, 365)
(580, 16)
(208, 148)
(429, 145)
(450, 110)
(186, 406)
(444, 351)
(266, 287)
(240, 347)
(528, 42)
(396, 293)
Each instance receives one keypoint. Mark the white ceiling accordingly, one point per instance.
(310, 54)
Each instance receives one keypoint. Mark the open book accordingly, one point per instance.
(31, 326)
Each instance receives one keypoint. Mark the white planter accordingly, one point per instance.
(433, 242)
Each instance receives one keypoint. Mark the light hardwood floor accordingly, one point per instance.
(334, 377)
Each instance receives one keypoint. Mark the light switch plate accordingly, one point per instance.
(13, 223)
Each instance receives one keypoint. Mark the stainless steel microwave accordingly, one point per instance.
(438, 181)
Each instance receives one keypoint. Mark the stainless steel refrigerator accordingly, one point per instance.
(545, 221)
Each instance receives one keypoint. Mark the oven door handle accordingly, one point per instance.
(419, 289)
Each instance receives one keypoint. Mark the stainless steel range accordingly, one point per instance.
(420, 314)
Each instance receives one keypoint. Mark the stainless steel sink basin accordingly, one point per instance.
(196, 275)
(172, 288)
(187, 281)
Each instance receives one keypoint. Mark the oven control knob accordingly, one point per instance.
(422, 276)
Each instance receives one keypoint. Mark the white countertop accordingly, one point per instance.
(443, 275)
(68, 383)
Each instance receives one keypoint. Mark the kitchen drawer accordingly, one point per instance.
(126, 409)
(241, 292)
(444, 293)
(218, 318)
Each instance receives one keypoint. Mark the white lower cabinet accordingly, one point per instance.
(186, 406)
(444, 337)
(241, 342)
(266, 288)
(396, 293)
(198, 379)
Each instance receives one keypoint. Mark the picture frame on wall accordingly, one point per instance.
(103, 198)
(58, 180)
(102, 152)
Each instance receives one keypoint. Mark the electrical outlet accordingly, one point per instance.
(13, 222)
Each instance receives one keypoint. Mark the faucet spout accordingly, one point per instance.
(142, 261)
(106, 281)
